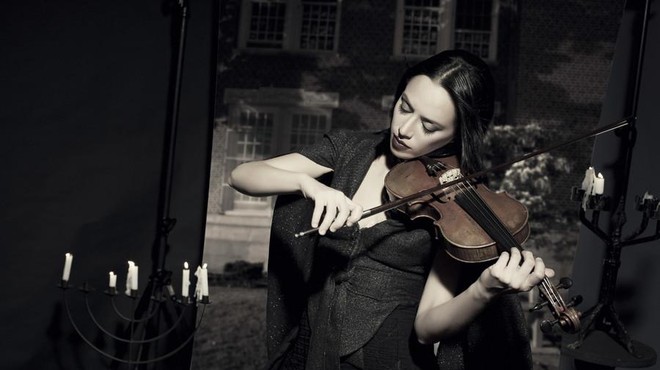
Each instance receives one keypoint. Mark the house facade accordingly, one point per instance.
(290, 70)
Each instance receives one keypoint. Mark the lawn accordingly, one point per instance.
(232, 334)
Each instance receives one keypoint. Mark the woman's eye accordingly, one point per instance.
(429, 127)
(404, 108)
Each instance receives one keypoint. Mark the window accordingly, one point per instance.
(319, 22)
(425, 27)
(473, 26)
(267, 122)
(306, 128)
(266, 25)
(251, 138)
(299, 25)
(421, 26)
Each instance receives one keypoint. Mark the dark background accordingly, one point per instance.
(637, 300)
(85, 95)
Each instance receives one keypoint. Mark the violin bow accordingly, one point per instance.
(403, 200)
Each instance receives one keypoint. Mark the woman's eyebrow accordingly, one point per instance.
(405, 100)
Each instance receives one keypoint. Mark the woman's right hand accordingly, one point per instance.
(332, 208)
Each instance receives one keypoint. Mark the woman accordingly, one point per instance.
(373, 293)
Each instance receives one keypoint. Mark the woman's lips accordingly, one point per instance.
(398, 144)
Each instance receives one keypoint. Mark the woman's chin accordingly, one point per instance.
(401, 154)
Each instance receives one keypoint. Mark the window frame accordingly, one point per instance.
(447, 30)
(283, 104)
(293, 19)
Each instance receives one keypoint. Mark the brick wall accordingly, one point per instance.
(361, 71)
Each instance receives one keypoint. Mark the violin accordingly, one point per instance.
(477, 223)
(465, 214)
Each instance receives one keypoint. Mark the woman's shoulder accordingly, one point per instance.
(347, 136)
(339, 147)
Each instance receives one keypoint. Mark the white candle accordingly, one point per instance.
(68, 260)
(205, 281)
(112, 280)
(134, 278)
(129, 277)
(198, 283)
(185, 280)
(588, 178)
(599, 184)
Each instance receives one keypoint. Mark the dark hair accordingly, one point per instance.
(470, 85)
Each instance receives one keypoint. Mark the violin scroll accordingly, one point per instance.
(564, 313)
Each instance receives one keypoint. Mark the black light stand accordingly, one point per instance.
(147, 340)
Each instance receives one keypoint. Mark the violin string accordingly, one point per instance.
(478, 207)
(505, 237)
(475, 206)
(559, 298)
(551, 293)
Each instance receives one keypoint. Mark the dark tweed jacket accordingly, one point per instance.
(498, 339)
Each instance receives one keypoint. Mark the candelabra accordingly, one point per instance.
(602, 317)
(163, 299)
(147, 311)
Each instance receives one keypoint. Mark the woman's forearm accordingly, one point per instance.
(448, 318)
(292, 173)
(261, 179)
(441, 313)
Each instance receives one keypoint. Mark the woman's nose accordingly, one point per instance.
(406, 129)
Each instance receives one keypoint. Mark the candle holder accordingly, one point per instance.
(186, 300)
(592, 202)
(158, 312)
(141, 323)
(602, 318)
(64, 284)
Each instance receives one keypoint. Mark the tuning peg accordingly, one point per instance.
(546, 325)
(565, 283)
(574, 301)
(569, 321)
(539, 306)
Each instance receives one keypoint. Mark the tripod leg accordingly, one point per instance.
(621, 334)
(588, 325)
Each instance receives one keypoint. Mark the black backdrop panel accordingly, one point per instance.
(85, 93)
(637, 301)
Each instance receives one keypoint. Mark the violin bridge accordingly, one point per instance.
(450, 175)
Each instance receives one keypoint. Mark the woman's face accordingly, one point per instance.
(424, 119)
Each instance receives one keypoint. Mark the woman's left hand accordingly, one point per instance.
(510, 276)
